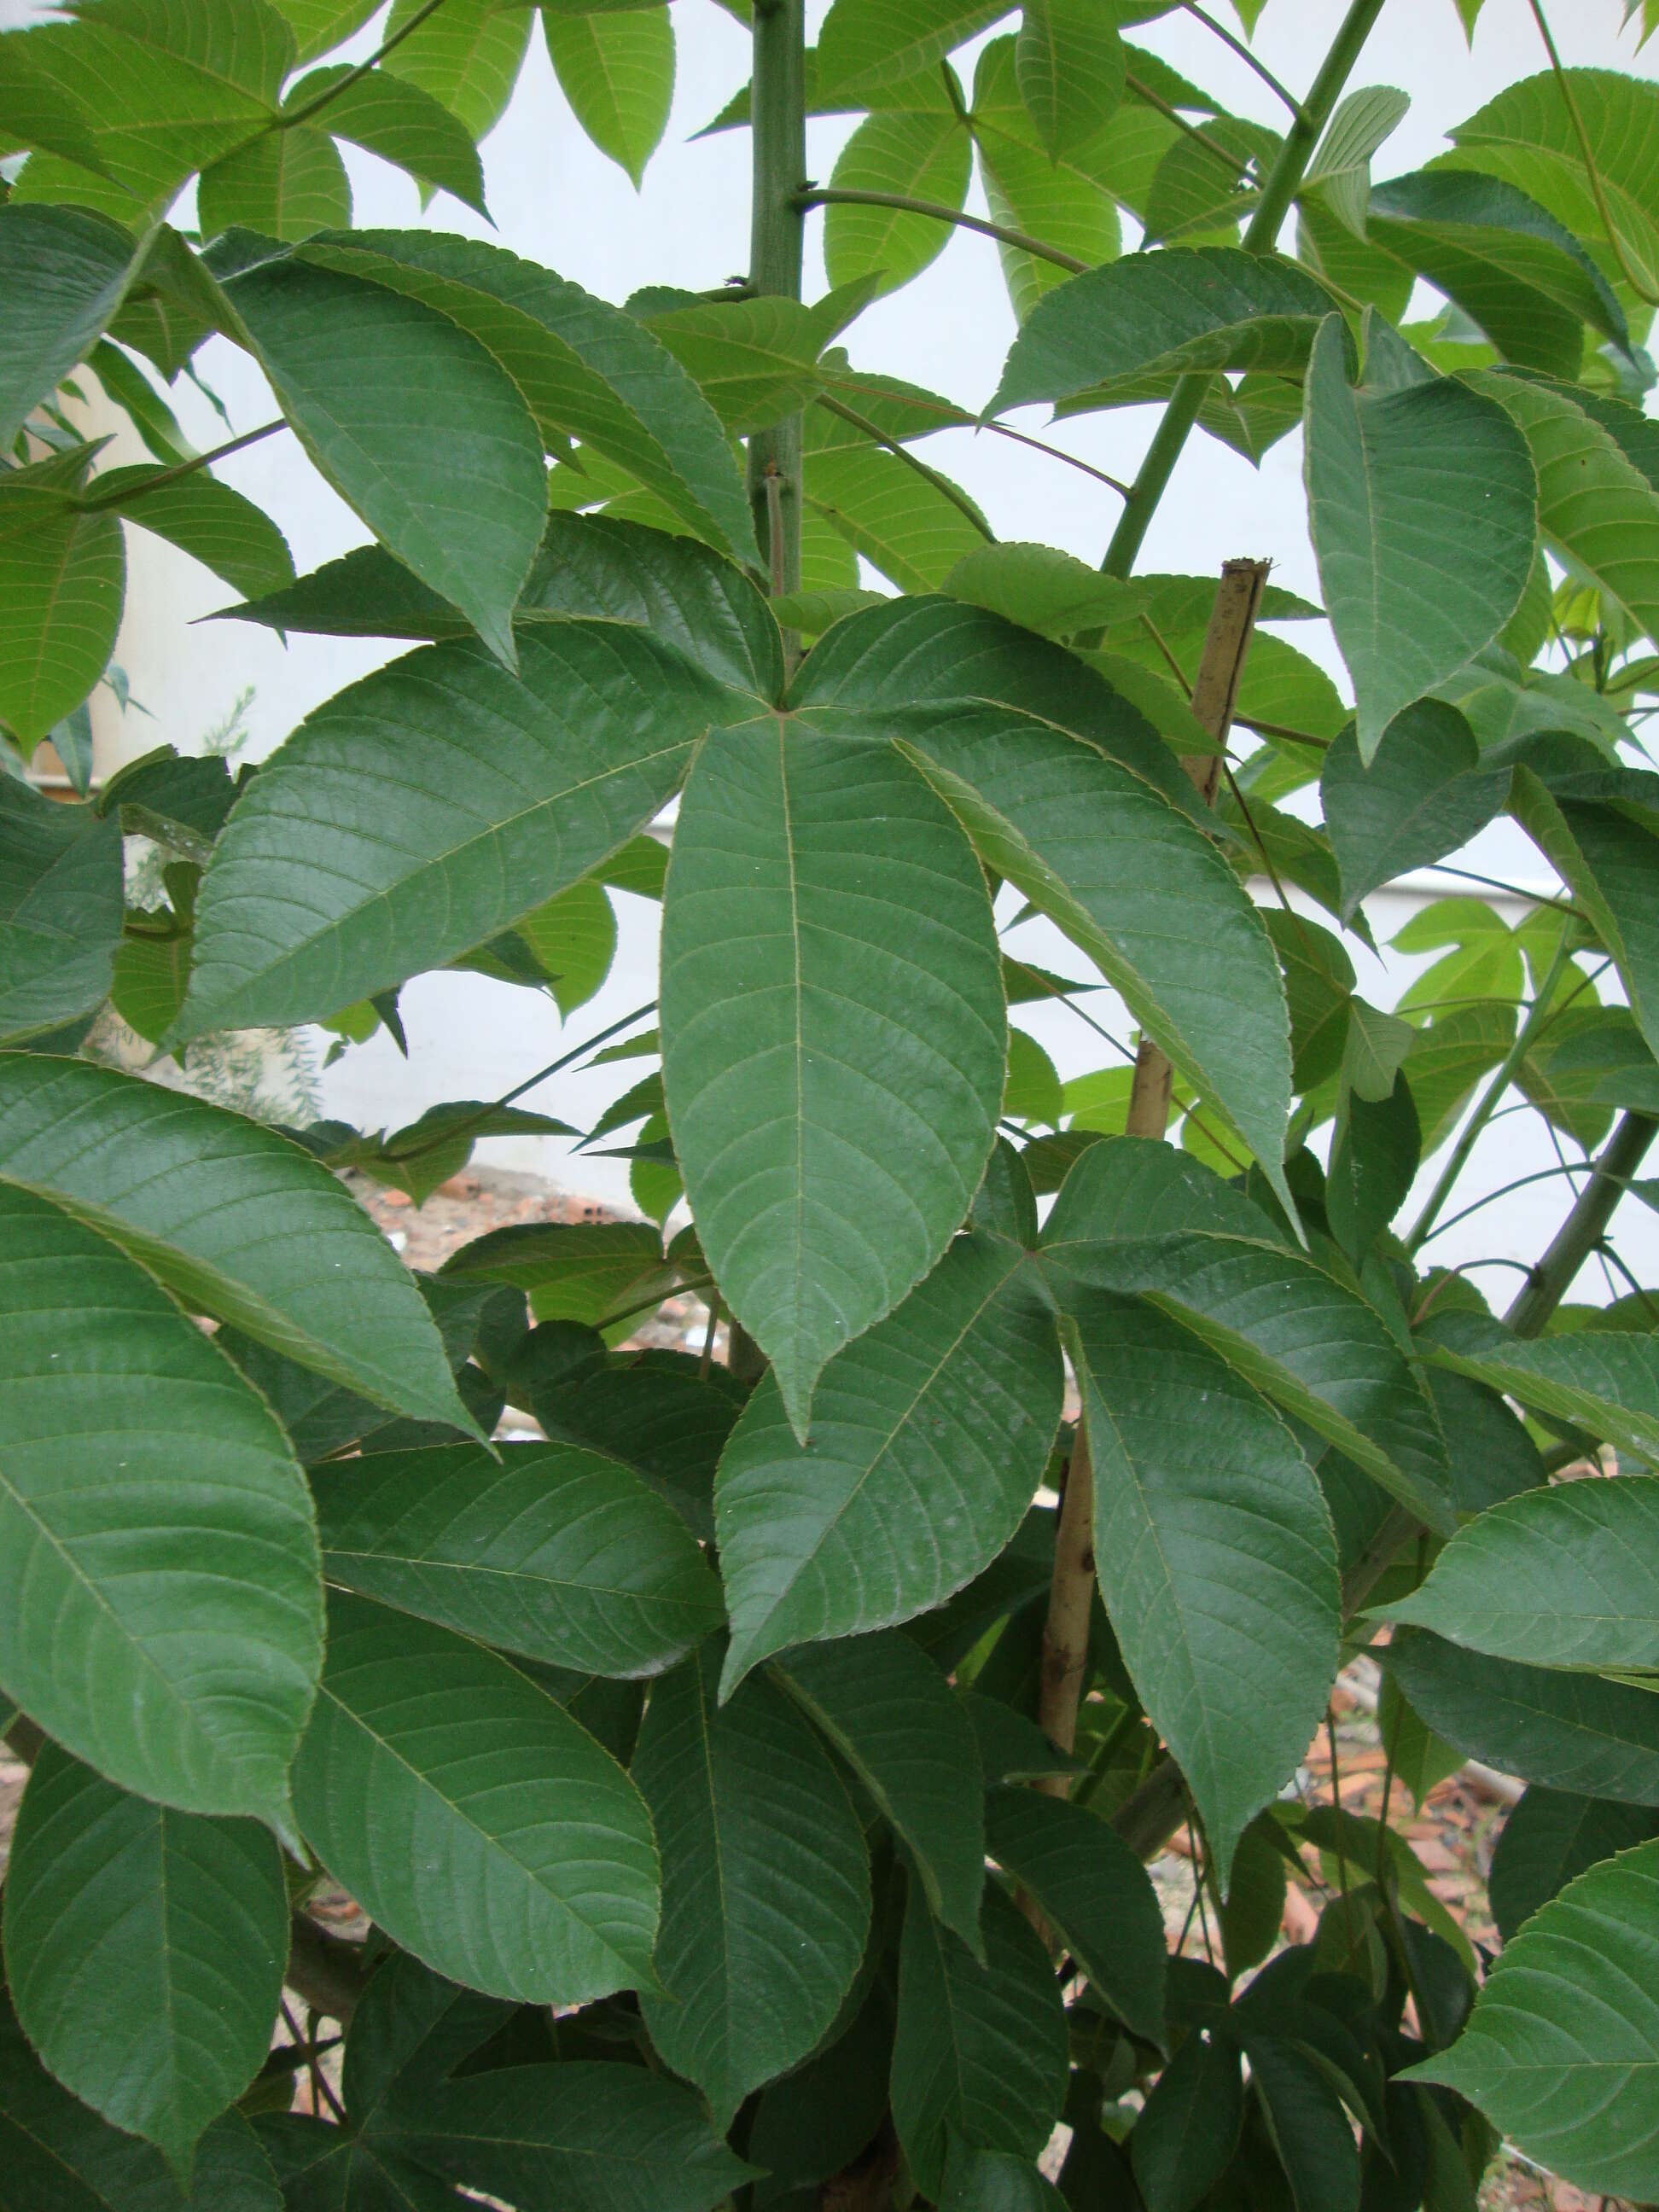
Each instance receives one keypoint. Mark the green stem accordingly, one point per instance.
(287, 120)
(777, 109)
(1504, 1190)
(1490, 1097)
(1272, 208)
(844, 196)
(181, 469)
(1583, 1228)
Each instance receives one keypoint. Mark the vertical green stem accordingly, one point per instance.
(1272, 209)
(1583, 1228)
(777, 109)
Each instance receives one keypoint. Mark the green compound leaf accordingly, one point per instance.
(1194, 1474)
(893, 1717)
(929, 1437)
(547, 1551)
(426, 1749)
(429, 807)
(1424, 509)
(241, 1223)
(766, 1882)
(1566, 1576)
(1562, 2050)
(144, 1950)
(980, 2050)
(833, 1033)
(160, 1604)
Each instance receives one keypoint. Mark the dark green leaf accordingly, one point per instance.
(1193, 1472)
(1424, 509)
(160, 1612)
(547, 1551)
(64, 270)
(504, 791)
(1424, 794)
(1573, 1732)
(1093, 1891)
(1309, 2129)
(235, 1219)
(1185, 2138)
(1373, 1165)
(766, 1883)
(1549, 1840)
(63, 578)
(995, 2181)
(891, 1714)
(208, 520)
(1606, 1383)
(60, 910)
(929, 1436)
(425, 1748)
(980, 2049)
(144, 1950)
(1562, 2049)
(832, 1003)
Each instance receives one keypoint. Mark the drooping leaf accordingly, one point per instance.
(1197, 308)
(160, 1612)
(60, 910)
(1061, 202)
(995, 2181)
(1134, 1218)
(1309, 2127)
(1424, 509)
(1572, 1732)
(64, 270)
(1549, 1840)
(62, 580)
(616, 70)
(1606, 853)
(235, 1219)
(467, 54)
(57, 2152)
(1562, 2051)
(865, 47)
(1606, 1383)
(424, 1750)
(587, 369)
(547, 1551)
(892, 1714)
(506, 791)
(283, 185)
(1193, 1473)
(1070, 64)
(1340, 170)
(393, 116)
(832, 1003)
(1424, 794)
(414, 423)
(1094, 1892)
(1190, 2127)
(207, 520)
(667, 1424)
(144, 1950)
(980, 2051)
(929, 1436)
(766, 1882)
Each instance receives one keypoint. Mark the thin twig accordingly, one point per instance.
(1245, 54)
(1144, 92)
(291, 116)
(180, 469)
(942, 484)
(1021, 241)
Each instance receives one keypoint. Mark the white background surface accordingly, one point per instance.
(556, 200)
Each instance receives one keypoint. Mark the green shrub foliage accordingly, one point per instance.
(748, 1782)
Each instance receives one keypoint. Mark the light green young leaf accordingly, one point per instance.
(980, 2051)
(60, 910)
(1424, 509)
(766, 1882)
(1209, 307)
(1058, 202)
(238, 1222)
(867, 47)
(415, 425)
(1070, 64)
(1340, 170)
(1562, 2050)
(63, 270)
(753, 360)
(924, 154)
(505, 790)
(1193, 1473)
(547, 1551)
(1566, 1576)
(929, 1436)
(467, 54)
(845, 1037)
(425, 1746)
(283, 184)
(391, 115)
(616, 70)
(319, 26)
(891, 1714)
(144, 1950)
(1094, 1892)
(160, 1607)
(909, 528)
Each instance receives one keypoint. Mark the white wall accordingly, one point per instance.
(555, 199)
